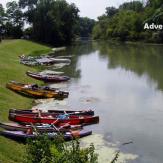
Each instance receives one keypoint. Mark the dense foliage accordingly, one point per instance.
(50, 21)
(43, 150)
(11, 21)
(127, 22)
(85, 26)
(57, 22)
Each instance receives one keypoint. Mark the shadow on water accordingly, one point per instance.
(76, 50)
(141, 59)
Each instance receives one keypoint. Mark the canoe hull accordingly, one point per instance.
(48, 78)
(39, 128)
(22, 137)
(84, 120)
(42, 60)
(51, 112)
(38, 92)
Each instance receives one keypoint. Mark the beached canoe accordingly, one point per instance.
(42, 60)
(57, 120)
(33, 90)
(42, 128)
(51, 112)
(22, 136)
(50, 60)
(48, 78)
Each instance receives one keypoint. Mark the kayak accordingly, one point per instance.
(35, 91)
(42, 128)
(57, 120)
(48, 78)
(22, 136)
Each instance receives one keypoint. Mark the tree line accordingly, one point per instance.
(127, 22)
(58, 22)
(50, 21)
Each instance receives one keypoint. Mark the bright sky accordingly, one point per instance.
(90, 8)
(94, 8)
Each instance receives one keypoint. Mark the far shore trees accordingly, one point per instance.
(126, 23)
(53, 22)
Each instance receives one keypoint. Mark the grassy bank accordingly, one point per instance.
(11, 69)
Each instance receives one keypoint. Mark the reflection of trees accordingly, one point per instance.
(76, 50)
(141, 59)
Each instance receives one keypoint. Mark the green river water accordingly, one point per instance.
(123, 83)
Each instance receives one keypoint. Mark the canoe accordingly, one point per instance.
(51, 112)
(42, 60)
(35, 91)
(42, 128)
(72, 119)
(22, 137)
(18, 86)
(48, 78)
(50, 60)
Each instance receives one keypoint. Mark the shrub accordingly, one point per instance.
(43, 150)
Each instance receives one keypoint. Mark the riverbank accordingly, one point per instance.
(114, 41)
(11, 69)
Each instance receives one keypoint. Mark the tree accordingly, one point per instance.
(29, 6)
(111, 11)
(154, 3)
(127, 22)
(52, 21)
(14, 22)
(86, 26)
(134, 6)
(2, 19)
(155, 15)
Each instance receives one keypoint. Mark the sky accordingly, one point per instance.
(90, 8)
(94, 8)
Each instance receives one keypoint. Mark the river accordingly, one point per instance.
(123, 83)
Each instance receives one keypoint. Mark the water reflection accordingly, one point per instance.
(76, 50)
(141, 59)
(123, 84)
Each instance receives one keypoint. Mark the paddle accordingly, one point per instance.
(33, 127)
(71, 113)
(55, 126)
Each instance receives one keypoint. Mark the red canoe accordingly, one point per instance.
(72, 120)
(51, 112)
